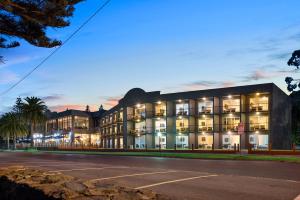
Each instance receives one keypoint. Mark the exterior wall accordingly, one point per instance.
(277, 133)
(281, 120)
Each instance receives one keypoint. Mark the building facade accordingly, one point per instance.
(259, 115)
(72, 127)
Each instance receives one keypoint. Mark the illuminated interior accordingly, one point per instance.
(81, 122)
(205, 141)
(205, 123)
(231, 105)
(259, 122)
(182, 108)
(205, 106)
(160, 109)
(160, 126)
(259, 103)
(230, 122)
(182, 125)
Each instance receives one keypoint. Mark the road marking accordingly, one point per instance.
(297, 198)
(82, 169)
(175, 181)
(130, 175)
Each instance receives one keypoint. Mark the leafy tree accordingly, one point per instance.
(29, 20)
(293, 84)
(12, 127)
(33, 110)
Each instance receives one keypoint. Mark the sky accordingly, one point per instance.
(165, 45)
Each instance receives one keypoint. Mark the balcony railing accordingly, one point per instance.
(160, 130)
(205, 128)
(205, 111)
(258, 127)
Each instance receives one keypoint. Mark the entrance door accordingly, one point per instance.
(162, 141)
(140, 142)
(182, 141)
(205, 141)
(229, 141)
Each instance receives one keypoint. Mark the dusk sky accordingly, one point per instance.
(166, 45)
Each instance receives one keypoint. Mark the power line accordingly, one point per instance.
(59, 47)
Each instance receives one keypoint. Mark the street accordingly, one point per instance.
(178, 178)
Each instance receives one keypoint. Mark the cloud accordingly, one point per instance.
(60, 108)
(53, 97)
(110, 101)
(200, 85)
(260, 74)
(8, 77)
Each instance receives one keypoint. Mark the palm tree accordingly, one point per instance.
(12, 127)
(33, 111)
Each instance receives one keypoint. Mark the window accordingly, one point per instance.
(205, 124)
(259, 103)
(259, 122)
(160, 109)
(205, 107)
(231, 105)
(231, 123)
(182, 109)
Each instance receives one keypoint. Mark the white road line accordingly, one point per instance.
(175, 181)
(130, 175)
(297, 198)
(82, 169)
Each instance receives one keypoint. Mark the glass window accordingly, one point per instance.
(231, 105)
(229, 141)
(182, 125)
(140, 142)
(160, 109)
(205, 141)
(182, 141)
(205, 124)
(205, 107)
(230, 123)
(182, 109)
(81, 122)
(259, 141)
(160, 126)
(259, 122)
(259, 103)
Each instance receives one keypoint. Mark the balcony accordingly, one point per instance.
(230, 127)
(205, 129)
(160, 130)
(160, 113)
(258, 127)
(182, 112)
(182, 130)
(205, 110)
(139, 118)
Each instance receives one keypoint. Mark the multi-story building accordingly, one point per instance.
(259, 115)
(73, 126)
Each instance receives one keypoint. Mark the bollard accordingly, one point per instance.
(238, 147)
(192, 147)
(159, 147)
(175, 147)
(234, 147)
(270, 146)
(146, 147)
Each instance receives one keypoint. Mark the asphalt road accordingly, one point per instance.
(178, 178)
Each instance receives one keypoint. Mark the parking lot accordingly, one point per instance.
(178, 178)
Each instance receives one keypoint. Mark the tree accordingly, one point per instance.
(293, 84)
(29, 20)
(33, 111)
(12, 127)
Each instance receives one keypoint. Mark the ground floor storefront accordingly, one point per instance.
(205, 141)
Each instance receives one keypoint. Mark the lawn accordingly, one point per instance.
(293, 159)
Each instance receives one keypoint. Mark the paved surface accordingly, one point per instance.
(178, 178)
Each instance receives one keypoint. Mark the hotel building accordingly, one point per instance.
(222, 118)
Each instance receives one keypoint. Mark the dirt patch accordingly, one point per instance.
(20, 183)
